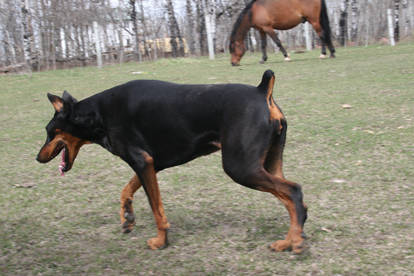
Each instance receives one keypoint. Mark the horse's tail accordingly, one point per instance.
(324, 21)
(245, 12)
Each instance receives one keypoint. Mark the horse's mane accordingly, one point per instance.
(237, 24)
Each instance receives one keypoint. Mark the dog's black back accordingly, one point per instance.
(174, 123)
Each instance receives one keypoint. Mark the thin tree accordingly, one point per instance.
(201, 27)
(144, 26)
(397, 20)
(209, 16)
(190, 25)
(27, 34)
(175, 35)
(343, 22)
(354, 20)
(133, 15)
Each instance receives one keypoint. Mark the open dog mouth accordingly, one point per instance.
(64, 165)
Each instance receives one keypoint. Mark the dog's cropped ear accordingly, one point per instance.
(68, 97)
(56, 101)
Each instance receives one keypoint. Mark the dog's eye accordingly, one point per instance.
(58, 130)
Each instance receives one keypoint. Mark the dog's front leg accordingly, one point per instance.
(148, 178)
(127, 211)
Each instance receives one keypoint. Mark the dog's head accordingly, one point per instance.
(63, 134)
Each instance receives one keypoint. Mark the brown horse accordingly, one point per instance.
(267, 15)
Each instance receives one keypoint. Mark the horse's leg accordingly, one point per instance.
(323, 49)
(275, 38)
(318, 29)
(264, 44)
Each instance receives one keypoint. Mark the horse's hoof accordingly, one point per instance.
(287, 59)
(322, 56)
(262, 62)
(332, 56)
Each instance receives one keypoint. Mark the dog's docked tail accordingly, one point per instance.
(268, 80)
(266, 85)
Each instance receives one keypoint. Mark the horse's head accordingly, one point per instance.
(237, 50)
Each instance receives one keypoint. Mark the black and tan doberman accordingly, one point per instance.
(153, 125)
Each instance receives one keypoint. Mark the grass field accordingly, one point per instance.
(355, 164)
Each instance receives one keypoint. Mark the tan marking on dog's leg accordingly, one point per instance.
(294, 239)
(274, 161)
(127, 211)
(154, 196)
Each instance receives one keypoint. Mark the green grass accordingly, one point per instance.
(356, 167)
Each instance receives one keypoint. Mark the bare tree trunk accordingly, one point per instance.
(77, 34)
(354, 20)
(44, 34)
(88, 43)
(201, 28)
(190, 24)
(98, 44)
(27, 34)
(397, 20)
(145, 30)
(390, 27)
(121, 46)
(366, 21)
(343, 22)
(82, 48)
(52, 46)
(209, 14)
(308, 39)
(177, 49)
(133, 14)
(9, 49)
(84, 37)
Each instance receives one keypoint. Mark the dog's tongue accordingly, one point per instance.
(62, 163)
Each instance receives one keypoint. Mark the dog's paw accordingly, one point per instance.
(281, 245)
(129, 223)
(130, 217)
(127, 227)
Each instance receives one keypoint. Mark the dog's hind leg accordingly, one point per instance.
(244, 165)
(274, 158)
(291, 196)
(127, 211)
